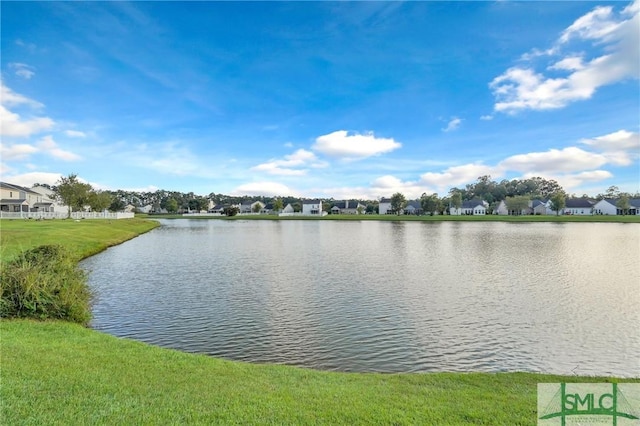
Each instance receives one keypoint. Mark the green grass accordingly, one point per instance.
(410, 218)
(60, 373)
(83, 238)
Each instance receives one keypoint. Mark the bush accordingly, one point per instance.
(45, 283)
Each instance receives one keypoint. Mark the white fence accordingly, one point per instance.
(61, 215)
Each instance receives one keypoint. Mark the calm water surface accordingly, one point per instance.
(381, 296)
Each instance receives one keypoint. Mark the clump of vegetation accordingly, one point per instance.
(45, 283)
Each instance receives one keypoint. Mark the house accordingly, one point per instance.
(384, 207)
(472, 207)
(14, 198)
(578, 206)
(49, 200)
(413, 207)
(288, 209)
(251, 207)
(347, 207)
(609, 206)
(312, 207)
(217, 208)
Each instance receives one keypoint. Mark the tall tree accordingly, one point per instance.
(430, 203)
(623, 204)
(99, 200)
(72, 192)
(517, 204)
(277, 205)
(398, 202)
(456, 200)
(171, 205)
(558, 202)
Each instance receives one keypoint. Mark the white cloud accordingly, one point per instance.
(49, 146)
(17, 151)
(267, 189)
(11, 98)
(570, 63)
(617, 37)
(486, 117)
(75, 134)
(343, 145)
(291, 165)
(453, 124)
(23, 70)
(458, 175)
(620, 148)
(12, 123)
(28, 179)
(569, 159)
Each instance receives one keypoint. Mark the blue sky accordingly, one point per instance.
(320, 99)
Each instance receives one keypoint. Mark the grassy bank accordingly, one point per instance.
(59, 373)
(83, 238)
(408, 218)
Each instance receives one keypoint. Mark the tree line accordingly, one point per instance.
(516, 193)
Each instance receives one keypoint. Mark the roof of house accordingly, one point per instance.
(472, 204)
(633, 202)
(414, 204)
(17, 188)
(536, 203)
(576, 203)
(316, 201)
(348, 204)
(13, 201)
(385, 200)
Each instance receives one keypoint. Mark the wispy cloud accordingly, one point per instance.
(614, 36)
(296, 164)
(75, 133)
(453, 124)
(23, 70)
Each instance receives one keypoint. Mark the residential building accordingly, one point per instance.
(348, 207)
(384, 207)
(312, 207)
(609, 206)
(472, 207)
(15, 198)
(578, 206)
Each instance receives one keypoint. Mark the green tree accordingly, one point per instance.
(72, 192)
(99, 200)
(558, 202)
(456, 200)
(172, 205)
(398, 203)
(277, 205)
(623, 205)
(231, 210)
(517, 203)
(257, 207)
(117, 205)
(430, 203)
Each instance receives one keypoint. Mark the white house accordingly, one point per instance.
(473, 207)
(384, 207)
(288, 209)
(578, 206)
(14, 198)
(347, 207)
(608, 206)
(312, 207)
(251, 207)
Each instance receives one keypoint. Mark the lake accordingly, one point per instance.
(560, 298)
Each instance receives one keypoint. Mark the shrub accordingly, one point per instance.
(45, 283)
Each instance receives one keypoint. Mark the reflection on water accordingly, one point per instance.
(382, 296)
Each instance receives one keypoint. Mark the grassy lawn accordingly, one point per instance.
(62, 373)
(443, 218)
(59, 373)
(84, 237)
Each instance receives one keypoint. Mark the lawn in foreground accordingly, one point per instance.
(60, 373)
(83, 237)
